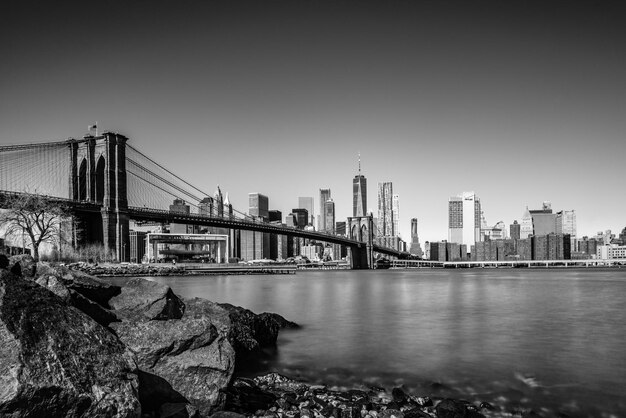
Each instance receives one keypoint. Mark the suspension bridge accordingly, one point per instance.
(108, 183)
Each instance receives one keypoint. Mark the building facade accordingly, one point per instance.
(385, 210)
(329, 216)
(307, 203)
(324, 196)
(464, 219)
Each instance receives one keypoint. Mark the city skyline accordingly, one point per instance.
(520, 103)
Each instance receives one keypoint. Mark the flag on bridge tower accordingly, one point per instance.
(94, 127)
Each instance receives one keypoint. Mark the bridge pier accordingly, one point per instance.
(98, 174)
(361, 228)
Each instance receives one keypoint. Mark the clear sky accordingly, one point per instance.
(521, 103)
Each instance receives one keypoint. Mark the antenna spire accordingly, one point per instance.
(359, 162)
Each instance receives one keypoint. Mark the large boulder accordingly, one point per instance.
(251, 332)
(56, 361)
(23, 265)
(143, 300)
(72, 288)
(182, 360)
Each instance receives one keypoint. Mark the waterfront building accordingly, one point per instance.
(544, 221)
(566, 224)
(426, 250)
(611, 251)
(539, 247)
(453, 251)
(438, 251)
(385, 210)
(307, 203)
(415, 249)
(329, 216)
(321, 219)
(496, 232)
(464, 219)
(137, 246)
(340, 228)
(514, 230)
(256, 245)
(359, 193)
(526, 227)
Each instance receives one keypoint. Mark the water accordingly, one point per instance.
(519, 338)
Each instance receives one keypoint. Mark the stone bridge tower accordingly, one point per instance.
(98, 175)
(361, 228)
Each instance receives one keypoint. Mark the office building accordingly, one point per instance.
(329, 216)
(321, 219)
(464, 219)
(438, 251)
(385, 210)
(544, 221)
(301, 217)
(526, 227)
(256, 245)
(340, 228)
(359, 193)
(515, 230)
(307, 203)
(415, 249)
(137, 246)
(395, 205)
(566, 224)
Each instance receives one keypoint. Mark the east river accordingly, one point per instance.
(522, 338)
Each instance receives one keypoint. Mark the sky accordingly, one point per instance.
(519, 101)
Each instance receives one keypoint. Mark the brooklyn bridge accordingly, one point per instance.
(108, 183)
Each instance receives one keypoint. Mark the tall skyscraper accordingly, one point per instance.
(464, 219)
(329, 215)
(324, 196)
(415, 249)
(256, 245)
(385, 209)
(396, 213)
(544, 221)
(307, 203)
(359, 193)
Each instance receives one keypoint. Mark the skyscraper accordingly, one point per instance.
(396, 213)
(385, 209)
(359, 193)
(256, 245)
(415, 249)
(329, 215)
(324, 196)
(464, 219)
(307, 203)
(566, 224)
(515, 230)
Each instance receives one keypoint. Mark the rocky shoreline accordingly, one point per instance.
(74, 345)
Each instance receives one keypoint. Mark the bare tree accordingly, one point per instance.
(36, 217)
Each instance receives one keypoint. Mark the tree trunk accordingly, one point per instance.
(36, 252)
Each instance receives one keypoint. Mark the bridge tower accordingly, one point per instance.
(98, 174)
(361, 228)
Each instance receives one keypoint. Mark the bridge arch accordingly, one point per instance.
(99, 179)
(82, 180)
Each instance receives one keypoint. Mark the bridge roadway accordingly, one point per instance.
(166, 216)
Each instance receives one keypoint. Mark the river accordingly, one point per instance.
(520, 338)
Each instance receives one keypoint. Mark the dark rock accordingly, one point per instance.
(424, 401)
(4, 261)
(227, 414)
(278, 384)
(142, 299)
(244, 396)
(251, 331)
(99, 314)
(90, 287)
(178, 410)
(22, 265)
(416, 413)
(486, 405)
(391, 413)
(56, 361)
(192, 356)
(451, 408)
(398, 396)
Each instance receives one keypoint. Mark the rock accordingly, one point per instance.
(188, 359)
(227, 414)
(251, 331)
(90, 287)
(244, 396)
(99, 314)
(4, 261)
(391, 413)
(452, 408)
(142, 299)
(56, 361)
(178, 410)
(22, 265)
(398, 396)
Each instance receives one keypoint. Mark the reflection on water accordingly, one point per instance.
(515, 336)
